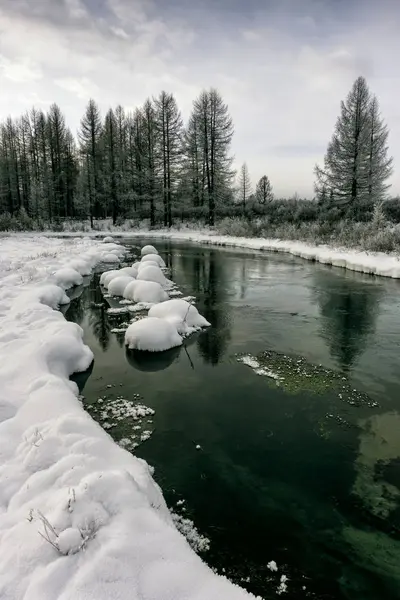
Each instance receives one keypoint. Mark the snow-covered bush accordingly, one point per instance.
(184, 316)
(148, 250)
(152, 273)
(153, 335)
(117, 286)
(149, 292)
(153, 258)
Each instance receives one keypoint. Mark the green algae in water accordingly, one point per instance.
(296, 375)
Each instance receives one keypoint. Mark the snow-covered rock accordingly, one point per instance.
(107, 276)
(156, 258)
(148, 250)
(109, 258)
(152, 273)
(67, 277)
(108, 239)
(184, 316)
(128, 271)
(149, 263)
(149, 292)
(153, 335)
(129, 291)
(117, 286)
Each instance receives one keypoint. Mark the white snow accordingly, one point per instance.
(107, 276)
(152, 334)
(148, 250)
(117, 285)
(130, 290)
(184, 316)
(253, 363)
(67, 277)
(149, 292)
(109, 532)
(156, 258)
(152, 273)
(109, 258)
(128, 271)
(108, 239)
(148, 263)
(272, 566)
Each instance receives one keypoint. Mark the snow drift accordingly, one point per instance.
(109, 533)
(184, 316)
(152, 334)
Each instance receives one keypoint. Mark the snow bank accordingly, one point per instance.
(108, 531)
(149, 292)
(107, 276)
(117, 285)
(108, 239)
(148, 263)
(184, 316)
(130, 271)
(130, 290)
(152, 273)
(156, 258)
(148, 250)
(67, 278)
(152, 334)
(373, 263)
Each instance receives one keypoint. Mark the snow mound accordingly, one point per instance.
(152, 273)
(184, 316)
(67, 277)
(152, 335)
(107, 276)
(109, 258)
(117, 286)
(153, 258)
(82, 266)
(148, 250)
(129, 291)
(148, 263)
(128, 271)
(149, 292)
(108, 239)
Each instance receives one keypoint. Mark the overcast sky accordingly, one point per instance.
(282, 66)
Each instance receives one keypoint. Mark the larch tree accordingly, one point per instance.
(148, 125)
(169, 129)
(245, 189)
(356, 165)
(90, 134)
(110, 149)
(264, 193)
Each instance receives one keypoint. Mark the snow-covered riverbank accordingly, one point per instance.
(374, 263)
(108, 531)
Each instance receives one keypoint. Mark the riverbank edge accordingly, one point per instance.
(371, 263)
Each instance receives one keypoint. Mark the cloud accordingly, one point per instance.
(282, 68)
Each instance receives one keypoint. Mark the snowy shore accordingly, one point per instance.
(373, 263)
(108, 531)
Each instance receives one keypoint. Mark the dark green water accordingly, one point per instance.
(306, 479)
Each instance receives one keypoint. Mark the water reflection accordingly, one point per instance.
(348, 309)
(152, 361)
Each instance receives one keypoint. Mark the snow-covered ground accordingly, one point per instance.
(80, 518)
(376, 263)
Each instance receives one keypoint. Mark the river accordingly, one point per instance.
(299, 474)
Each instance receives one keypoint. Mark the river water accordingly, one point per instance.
(301, 476)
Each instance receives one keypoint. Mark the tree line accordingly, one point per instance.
(149, 164)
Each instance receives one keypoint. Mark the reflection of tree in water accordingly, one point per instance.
(98, 318)
(211, 280)
(75, 310)
(348, 313)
